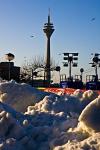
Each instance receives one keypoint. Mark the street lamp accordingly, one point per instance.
(96, 63)
(9, 57)
(81, 71)
(70, 59)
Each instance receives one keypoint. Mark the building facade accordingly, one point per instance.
(8, 71)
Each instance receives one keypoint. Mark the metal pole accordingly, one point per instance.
(32, 77)
(96, 73)
(81, 75)
(70, 70)
(44, 78)
(9, 71)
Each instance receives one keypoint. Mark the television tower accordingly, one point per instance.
(48, 30)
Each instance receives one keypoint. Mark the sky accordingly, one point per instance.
(75, 31)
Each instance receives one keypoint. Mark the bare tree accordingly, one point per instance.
(35, 64)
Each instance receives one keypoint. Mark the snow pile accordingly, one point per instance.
(54, 104)
(87, 133)
(54, 110)
(17, 131)
(56, 122)
(91, 143)
(88, 95)
(19, 96)
(90, 116)
(11, 132)
(85, 97)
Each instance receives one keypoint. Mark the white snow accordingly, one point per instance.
(19, 96)
(35, 120)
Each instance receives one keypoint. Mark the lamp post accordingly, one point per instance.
(9, 57)
(81, 71)
(96, 63)
(70, 59)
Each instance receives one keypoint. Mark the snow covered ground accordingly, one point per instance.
(34, 120)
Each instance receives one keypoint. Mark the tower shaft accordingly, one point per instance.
(47, 60)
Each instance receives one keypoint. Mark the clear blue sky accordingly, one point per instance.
(74, 30)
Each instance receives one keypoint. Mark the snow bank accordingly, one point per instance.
(54, 110)
(50, 122)
(87, 133)
(91, 143)
(90, 116)
(19, 96)
(17, 132)
(54, 104)
(85, 97)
